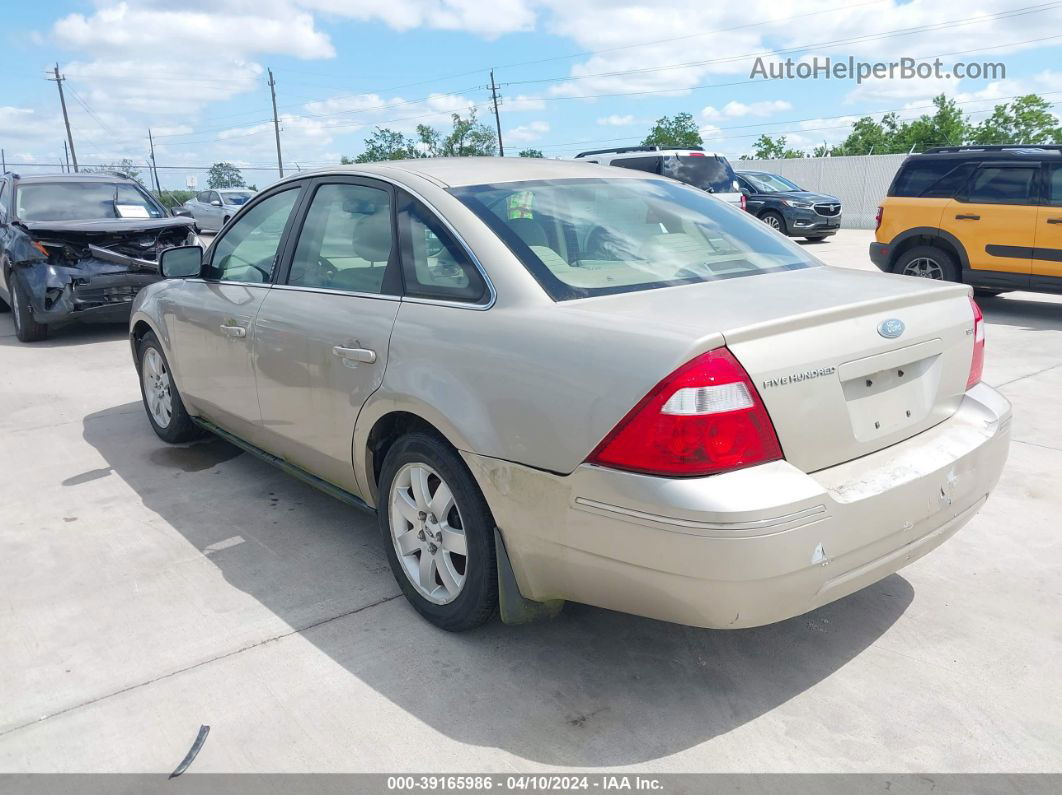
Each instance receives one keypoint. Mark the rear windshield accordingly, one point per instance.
(706, 172)
(588, 237)
(83, 201)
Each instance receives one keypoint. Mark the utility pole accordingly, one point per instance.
(58, 79)
(276, 121)
(154, 168)
(66, 155)
(497, 118)
(3, 159)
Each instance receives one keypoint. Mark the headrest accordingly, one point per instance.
(530, 231)
(372, 236)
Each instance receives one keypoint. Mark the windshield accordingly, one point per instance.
(587, 237)
(771, 183)
(708, 173)
(237, 198)
(83, 201)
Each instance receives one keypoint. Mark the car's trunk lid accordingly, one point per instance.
(836, 387)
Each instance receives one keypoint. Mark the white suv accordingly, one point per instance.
(706, 170)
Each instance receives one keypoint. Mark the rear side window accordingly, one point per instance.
(648, 164)
(1003, 185)
(1054, 185)
(707, 172)
(951, 183)
(434, 264)
(917, 176)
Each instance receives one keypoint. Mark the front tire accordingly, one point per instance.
(438, 533)
(927, 262)
(775, 221)
(162, 402)
(815, 238)
(26, 328)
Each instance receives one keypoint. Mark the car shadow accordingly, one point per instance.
(1023, 310)
(85, 333)
(590, 688)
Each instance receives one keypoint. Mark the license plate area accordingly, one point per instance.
(882, 401)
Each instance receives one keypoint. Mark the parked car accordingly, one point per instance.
(785, 206)
(989, 216)
(212, 209)
(705, 170)
(78, 246)
(562, 381)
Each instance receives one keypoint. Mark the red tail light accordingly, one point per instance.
(704, 418)
(977, 364)
(877, 218)
(744, 202)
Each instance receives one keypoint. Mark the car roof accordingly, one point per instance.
(1024, 153)
(233, 190)
(452, 172)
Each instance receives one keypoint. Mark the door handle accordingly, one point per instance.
(1054, 220)
(967, 218)
(233, 331)
(355, 354)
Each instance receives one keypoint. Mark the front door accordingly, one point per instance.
(1047, 256)
(213, 316)
(322, 334)
(995, 217)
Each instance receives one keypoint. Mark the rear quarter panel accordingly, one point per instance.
(901, 213)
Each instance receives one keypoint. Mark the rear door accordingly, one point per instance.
(322, 334)
(212, 316)
(994, 217)
(1047, 254)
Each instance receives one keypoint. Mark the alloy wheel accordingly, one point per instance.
(428, 533)
(773, 222)
(157, 394)
(924, 268)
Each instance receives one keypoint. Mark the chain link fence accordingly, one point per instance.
(859, 182)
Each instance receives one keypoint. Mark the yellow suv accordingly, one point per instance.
(989, 216)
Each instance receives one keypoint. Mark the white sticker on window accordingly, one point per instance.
(131, 211)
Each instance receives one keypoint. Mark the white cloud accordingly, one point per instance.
(739, 110)
(528, 132)
(616, 120)
(489, 18)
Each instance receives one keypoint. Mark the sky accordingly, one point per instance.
(573, 74)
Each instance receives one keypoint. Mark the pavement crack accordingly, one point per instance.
(200, 664)
(1028, 375)
(1037, 444)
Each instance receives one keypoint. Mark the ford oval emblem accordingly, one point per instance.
(892, 328)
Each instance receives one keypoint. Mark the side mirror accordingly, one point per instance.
(181, 212)
(181, 262)
(215, 203)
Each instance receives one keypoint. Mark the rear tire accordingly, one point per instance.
(815, 238)
(425, 531)
(26, 328)
(162, 402)
(987, 292)
(927, 262)
(775, 221)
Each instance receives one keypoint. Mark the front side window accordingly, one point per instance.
(434, 264)
(1003, 185)
(629, 234)
(706, 172)
(346, 240)
(83, 201)
(247, 251)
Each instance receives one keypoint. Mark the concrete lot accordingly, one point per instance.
(149, 589)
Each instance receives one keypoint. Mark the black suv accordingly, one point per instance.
(785, 206)
(75, 246)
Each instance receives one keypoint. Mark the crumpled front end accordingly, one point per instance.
(76, 273)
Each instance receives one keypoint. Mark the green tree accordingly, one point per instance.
(531, 153)
(768, 148)
(385, 144)
(468, 138)
(224, 175)
(125, 167)
(674, 132)
(1027, 120)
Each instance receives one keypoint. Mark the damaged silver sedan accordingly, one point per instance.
(79, 246)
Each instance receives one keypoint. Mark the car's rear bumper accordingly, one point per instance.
(879, 255)
(749, 547)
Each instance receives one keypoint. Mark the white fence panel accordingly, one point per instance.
(859, 182)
